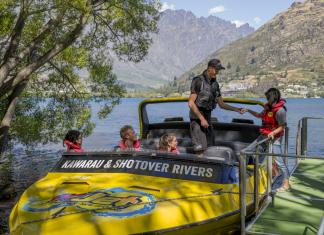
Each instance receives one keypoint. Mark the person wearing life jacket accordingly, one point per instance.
(169, 143)
(129, 141)
(73, 141)
(205, 95)
(273, 126)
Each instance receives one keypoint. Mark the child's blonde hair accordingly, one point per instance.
(165, 141)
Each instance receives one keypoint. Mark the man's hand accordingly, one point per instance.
(204, 123)
(242, 110)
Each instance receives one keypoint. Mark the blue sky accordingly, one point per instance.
(254, 12)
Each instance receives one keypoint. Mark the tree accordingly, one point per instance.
(45, 47)
(41, 120)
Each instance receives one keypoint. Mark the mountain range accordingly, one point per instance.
(287, 52)
(183, 41)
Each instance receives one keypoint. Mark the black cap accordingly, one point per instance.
(216, 64)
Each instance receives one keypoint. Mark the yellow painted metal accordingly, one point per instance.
(189, 205)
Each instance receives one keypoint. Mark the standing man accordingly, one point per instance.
(205, 95)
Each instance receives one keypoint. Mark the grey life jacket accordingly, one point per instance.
(206, 98)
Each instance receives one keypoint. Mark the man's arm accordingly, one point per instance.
(194, 108)
(229, 107)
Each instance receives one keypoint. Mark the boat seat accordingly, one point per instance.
(184, 144)
(157, 133)
(174, 119)
(152, 143)
(242, 120)
(220, 153)
(237, 146)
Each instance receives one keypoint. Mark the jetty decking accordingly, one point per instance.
(300, 210)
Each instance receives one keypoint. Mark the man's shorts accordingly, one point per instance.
(201, 137)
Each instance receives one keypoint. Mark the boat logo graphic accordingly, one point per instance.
(115, 202)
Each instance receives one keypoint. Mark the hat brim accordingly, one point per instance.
(219, 67)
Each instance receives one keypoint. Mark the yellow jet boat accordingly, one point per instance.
(145, 192)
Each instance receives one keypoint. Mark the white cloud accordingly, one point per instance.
(257, 20)
(217, 9)
(238, 23)
(166, 6)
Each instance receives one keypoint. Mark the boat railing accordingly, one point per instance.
(253, 150)
(321, 228)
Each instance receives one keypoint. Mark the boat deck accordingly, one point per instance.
(300, 210)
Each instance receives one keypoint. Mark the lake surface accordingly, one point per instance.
(29, 167)
(106, 133)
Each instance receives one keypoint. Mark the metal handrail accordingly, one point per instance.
(301, 137)
(242, 178)
(255, 144)
(285, 155)
(321, 228)
(286, 142)
(242, 183)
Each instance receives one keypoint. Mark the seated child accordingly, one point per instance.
(73, 141)
(129, 141)
(168, 143)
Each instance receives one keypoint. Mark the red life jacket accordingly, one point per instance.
(175, 150)
(136, 145)
(269, 122)
(71, 146)
(172, 150)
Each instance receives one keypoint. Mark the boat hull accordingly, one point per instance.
(131, 203)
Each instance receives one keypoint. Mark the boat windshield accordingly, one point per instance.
(179, 111)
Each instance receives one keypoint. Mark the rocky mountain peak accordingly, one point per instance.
(183, 40)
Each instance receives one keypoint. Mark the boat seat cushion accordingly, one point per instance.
(223, 131)
(179, 133)
(237, 146)
(184, 144)
(152, 144)
(221, 153)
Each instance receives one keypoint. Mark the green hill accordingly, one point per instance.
(287, 52)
